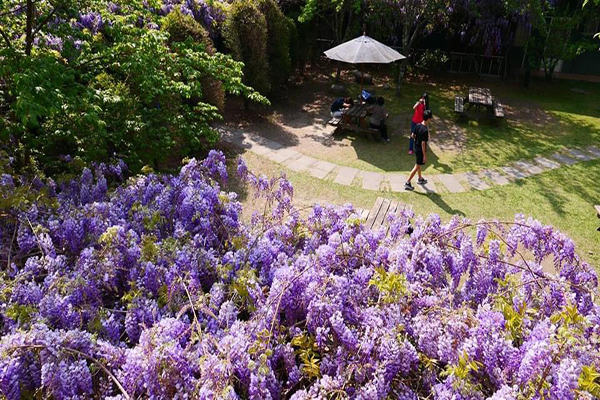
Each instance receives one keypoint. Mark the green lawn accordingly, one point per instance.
(548, 118)
(562, 198)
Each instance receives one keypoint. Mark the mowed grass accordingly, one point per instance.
(541, 120)
(562, 198)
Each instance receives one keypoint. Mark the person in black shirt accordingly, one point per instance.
(421, 136)
(339, 104)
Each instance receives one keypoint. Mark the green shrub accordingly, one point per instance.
(183, 27)
(278, 44)
(295, 49)
(127, 91)
(245, 33)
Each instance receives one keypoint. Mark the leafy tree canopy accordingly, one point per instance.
(94, 79)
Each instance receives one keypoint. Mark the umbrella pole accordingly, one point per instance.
(361, 78)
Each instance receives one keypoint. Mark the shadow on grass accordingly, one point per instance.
(393, 156)
(439, 201)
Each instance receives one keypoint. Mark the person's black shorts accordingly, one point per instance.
(419, 155)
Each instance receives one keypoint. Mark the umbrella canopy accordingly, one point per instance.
(363, 50)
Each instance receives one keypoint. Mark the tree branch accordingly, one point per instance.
(44, 21)
(13, 11)
(6, 39)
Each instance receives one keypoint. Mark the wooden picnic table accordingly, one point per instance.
(356, 119)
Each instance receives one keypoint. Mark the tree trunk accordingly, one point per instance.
(337, 73)
(29, 28)
(526, 79)
(313, 47)
(401, 71)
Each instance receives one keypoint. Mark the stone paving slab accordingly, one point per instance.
(529, 168)
(279, 156)
(593, 150)
(564, 159)
(371, 180)
(320, 169)
(451, 183)
(495, 177)
(229, 135)
(346, 175)
(259, 149)
(325, 166)
(397, 182)
(428, 187)
(473, 181)
(271, 144)
(546, 163)
(301, 163)
(240, 141)
(513, 172)
(580, 155)
(317, 172)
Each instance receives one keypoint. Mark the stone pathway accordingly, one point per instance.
(453, 183)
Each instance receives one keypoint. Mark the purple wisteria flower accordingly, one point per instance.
(162, 281)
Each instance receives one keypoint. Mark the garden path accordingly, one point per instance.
(441, 183)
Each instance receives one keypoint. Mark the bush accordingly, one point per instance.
(101, 84)
(278, 44)
(295, 50)
(155, 287)
(245, 33)
(183, 27)
(431, 61)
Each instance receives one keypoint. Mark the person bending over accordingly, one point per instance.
(339, 104)
(378, 117)
(421, 136)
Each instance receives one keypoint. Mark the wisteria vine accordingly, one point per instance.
(155, 286)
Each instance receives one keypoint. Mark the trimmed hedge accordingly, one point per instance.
(278, 48)
(246, 33)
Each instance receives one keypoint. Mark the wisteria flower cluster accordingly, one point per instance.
(157, 287)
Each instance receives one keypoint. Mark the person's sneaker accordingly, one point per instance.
(408, 186)
(410, 152)
(422, 181)
(385, 140)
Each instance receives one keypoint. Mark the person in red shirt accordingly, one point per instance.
(419, 107)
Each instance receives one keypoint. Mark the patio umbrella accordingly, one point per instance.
(363, 50)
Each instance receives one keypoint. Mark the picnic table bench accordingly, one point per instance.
(355, 119)
(479, 98)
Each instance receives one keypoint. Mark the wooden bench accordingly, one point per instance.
(459, 105)
(334, 121)
(377, 217)
(597, 207)
(371, 132)
(498, 110)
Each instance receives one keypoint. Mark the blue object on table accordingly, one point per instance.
(366, 95)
